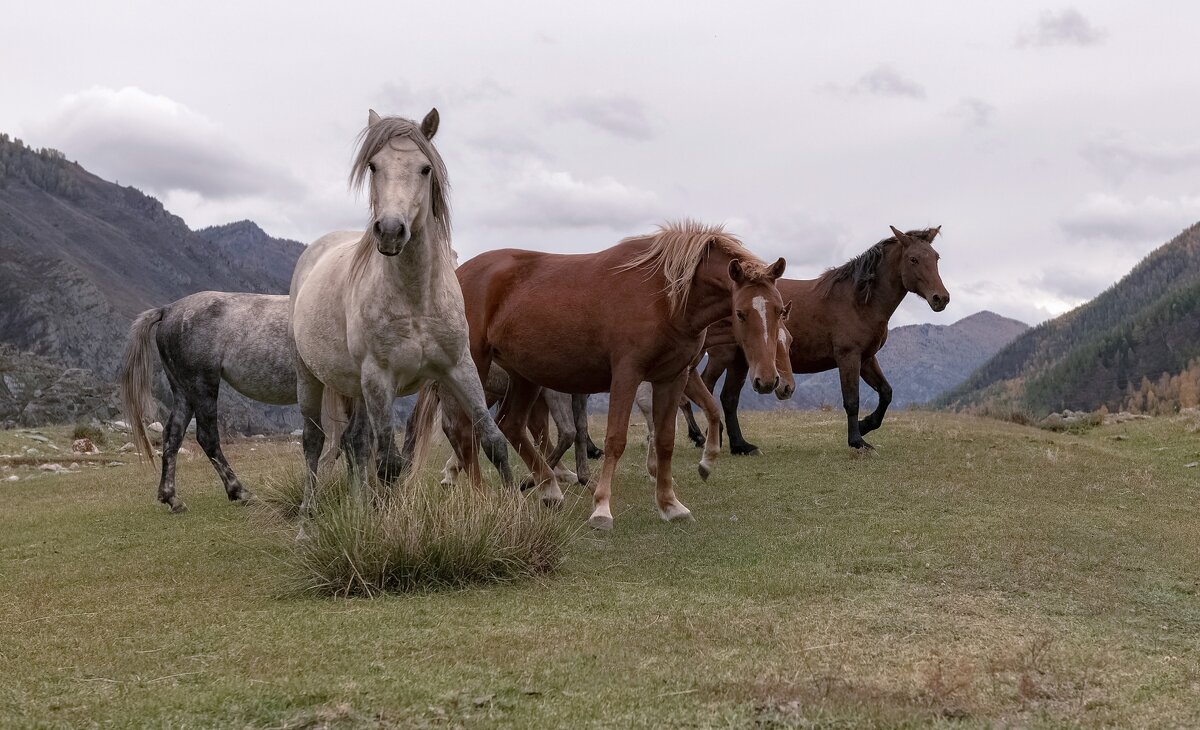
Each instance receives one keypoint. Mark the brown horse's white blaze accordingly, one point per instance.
(631, 313)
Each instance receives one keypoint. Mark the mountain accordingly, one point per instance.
(1109, 352)
(269, 260)
(921, 361)
(81, 256)
(37, 392)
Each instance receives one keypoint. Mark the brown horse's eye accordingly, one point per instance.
(913, 260)
(741, 316)
(426, 170)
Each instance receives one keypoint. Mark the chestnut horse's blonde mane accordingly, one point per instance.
(677, 248)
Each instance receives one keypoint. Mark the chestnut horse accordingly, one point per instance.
(846, 312)
(631, 313)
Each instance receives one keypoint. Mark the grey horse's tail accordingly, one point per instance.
(426, 416)
(137, 374)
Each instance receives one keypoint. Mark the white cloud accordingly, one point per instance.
(974, 112)
(1117, 156)
(618, 114)
(157, 144)
(539, 196)
(886, 81)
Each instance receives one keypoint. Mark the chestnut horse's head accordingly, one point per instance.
(783, 358)
(919, 268)
(758, 314)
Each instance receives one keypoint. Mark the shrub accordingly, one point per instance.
(415, 537)
(88, 431)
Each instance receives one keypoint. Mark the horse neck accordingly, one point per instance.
(708, 300)
(888, 290)
(416, 275)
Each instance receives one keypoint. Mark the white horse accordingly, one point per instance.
(375, 314)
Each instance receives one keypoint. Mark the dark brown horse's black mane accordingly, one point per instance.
(862, 268)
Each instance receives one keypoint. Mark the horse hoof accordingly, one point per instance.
(747, 450)
(527, 483)
(176, 506)
(704, 471)
(552, 503)
(676, 512)
(604, 523)
(243, 497)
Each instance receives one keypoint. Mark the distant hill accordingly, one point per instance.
(921, 361)
(1142, 330)
(80, 257)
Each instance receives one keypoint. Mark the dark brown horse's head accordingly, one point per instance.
(758, 313)
(783, 358)
(919, 268)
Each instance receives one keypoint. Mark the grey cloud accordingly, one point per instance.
(1066, 27)
(1117, 157)
(157, 144)
(403, 98)
(1075, 284)
(617, 114)
(886, 81)
(974, 112)
(1110, 218)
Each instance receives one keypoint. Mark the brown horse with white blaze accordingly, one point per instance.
(631, 313)
(843, 325)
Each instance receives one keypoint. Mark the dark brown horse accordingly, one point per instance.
(843, 323)
(631, 313)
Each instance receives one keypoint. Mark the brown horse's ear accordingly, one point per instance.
(776, 269)
(933, 232)
(429, 125)
(372, 118)
(735, 271)
(901, 236)
(787, 309)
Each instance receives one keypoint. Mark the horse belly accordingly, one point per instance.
(263, 374)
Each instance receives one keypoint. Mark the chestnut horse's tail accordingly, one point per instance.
(137, 374)
(422, 424)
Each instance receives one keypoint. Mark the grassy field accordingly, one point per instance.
(971, 573)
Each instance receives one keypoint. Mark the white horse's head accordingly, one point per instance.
(407, 180)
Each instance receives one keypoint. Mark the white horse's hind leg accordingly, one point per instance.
(450, 472)
(644, 400)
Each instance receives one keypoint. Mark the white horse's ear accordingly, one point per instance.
(429, 125)
(372, 118)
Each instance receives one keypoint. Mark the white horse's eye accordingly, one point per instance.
(426, 170)
(371, 166)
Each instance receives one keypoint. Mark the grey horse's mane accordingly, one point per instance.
(862, 269)
(677, 248)
(371, 140)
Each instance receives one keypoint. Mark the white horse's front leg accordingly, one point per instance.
(462, 382)
(379, 391)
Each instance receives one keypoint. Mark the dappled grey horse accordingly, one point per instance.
(201, 340)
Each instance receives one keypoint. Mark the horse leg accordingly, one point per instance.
(378, 391)
(579, 415)
(644, 399)
(848, 370)
(559, 406)
(513, 419)
(593, 451)
(694, 389)
(873, 375)
(309, 392)
(731, 395)
(666, 400)
(181, 415)
(210, 440)
(463, 384)
(694, 434)
(620, 401)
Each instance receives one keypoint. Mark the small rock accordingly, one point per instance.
(258, 436)
(74, 465)
(84, 446)
(127, 447)
(298, 432)
(156, 427)
(1191, 465)
(35, 437)
(30, 451)
(56, 468)
(13, 478)
(118, 425)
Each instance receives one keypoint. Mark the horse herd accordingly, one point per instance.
(378, 314)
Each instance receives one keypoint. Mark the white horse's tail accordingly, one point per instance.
(137, 374)
(426, 417)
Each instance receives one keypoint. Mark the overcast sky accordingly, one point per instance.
(1055, 144)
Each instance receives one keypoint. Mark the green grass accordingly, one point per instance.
(972, 573)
